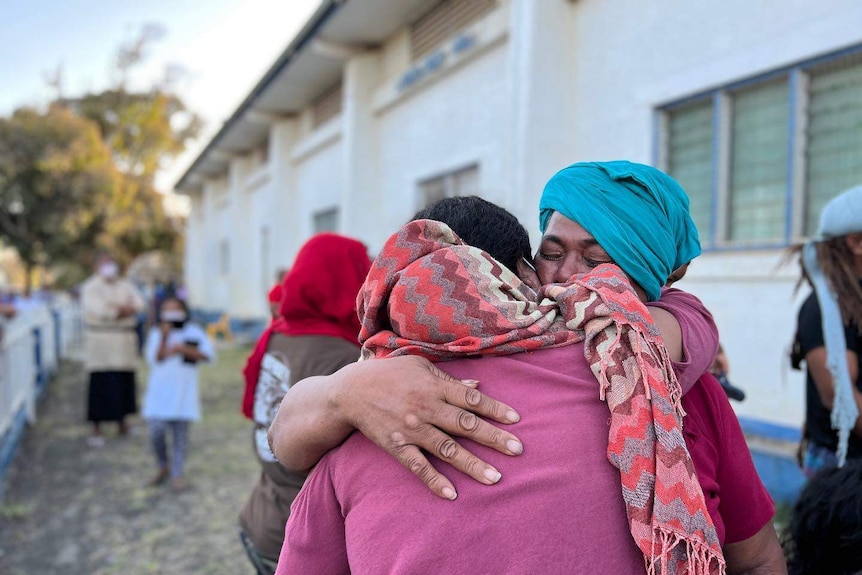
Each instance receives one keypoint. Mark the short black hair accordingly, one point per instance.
(825, 532)
(482, 224)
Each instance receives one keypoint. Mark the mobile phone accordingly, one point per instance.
(191, 343)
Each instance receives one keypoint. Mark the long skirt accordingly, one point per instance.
(112, 395)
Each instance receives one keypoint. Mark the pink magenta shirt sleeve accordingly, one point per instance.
(737, 500)
(314, 539)
(699, 334)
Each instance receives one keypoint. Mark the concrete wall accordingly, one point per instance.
(625, 68)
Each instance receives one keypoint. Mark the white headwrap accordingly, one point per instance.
(841, 216)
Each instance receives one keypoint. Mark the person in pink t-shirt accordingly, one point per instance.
(573, 513)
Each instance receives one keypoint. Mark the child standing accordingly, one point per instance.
(174, 348)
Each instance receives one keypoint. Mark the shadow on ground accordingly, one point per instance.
(73, 510)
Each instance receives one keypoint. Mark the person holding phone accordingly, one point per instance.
(174, 348)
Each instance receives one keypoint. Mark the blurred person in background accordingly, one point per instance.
(275, 294)
(317, 333)
(175, 347)
(110, 306)
(7, 310)
(829, 335)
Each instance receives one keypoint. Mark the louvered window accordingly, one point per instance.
(327, 106)
(689, 159)
(794, 135)
(464, 182)
(444, 21)
(758, 172)
(325, 221)
(834, 138)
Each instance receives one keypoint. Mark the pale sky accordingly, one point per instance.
(225, 46)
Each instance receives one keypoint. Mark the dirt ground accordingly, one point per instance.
(72, 509)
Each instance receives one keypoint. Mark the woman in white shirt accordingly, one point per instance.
(174, 348)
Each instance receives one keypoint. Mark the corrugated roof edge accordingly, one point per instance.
(317, 20)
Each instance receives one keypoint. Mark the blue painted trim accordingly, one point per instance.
(765, 76)
(9, 445)
(853, 50)
(41, 377)
(792, 102)
(780, 473)
(781, 476)
(745, 247)
(767, 430)
(716, 167)
(656, 138)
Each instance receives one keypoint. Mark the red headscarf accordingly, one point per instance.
(275, 294)
(320, 290)
(318, 297)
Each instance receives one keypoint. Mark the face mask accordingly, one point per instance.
(109, 270)
(175, 318)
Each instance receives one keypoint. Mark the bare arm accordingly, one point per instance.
(816, 360)
(760, 554)
(404, 405)
(670, 330)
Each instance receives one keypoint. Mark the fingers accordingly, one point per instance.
(440, 374)
(445, 448)
(412, 458)
(471, 399)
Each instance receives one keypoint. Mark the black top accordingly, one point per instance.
(809, 336)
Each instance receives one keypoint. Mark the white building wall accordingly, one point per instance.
(546, 84)
(260, 189)
(663, 51)
(318, 163)
(194, 262)
(458, 119)
(286, 235)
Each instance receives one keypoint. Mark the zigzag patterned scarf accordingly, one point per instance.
(428, 294)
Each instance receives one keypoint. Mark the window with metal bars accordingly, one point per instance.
(327, 106)
(444, 21)
(753, 176)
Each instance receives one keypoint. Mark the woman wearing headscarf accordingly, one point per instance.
(829, 335)
(316, 334)
(631, 190)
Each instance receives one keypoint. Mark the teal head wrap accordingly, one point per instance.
(637, 213)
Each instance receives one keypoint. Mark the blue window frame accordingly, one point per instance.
(760, 157)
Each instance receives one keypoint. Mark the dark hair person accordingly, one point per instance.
(500, 232)
(829, 335)
(174, 348)
(825, 533)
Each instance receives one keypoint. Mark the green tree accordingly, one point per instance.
(55, 174)
(80, 177)
(144, 130)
